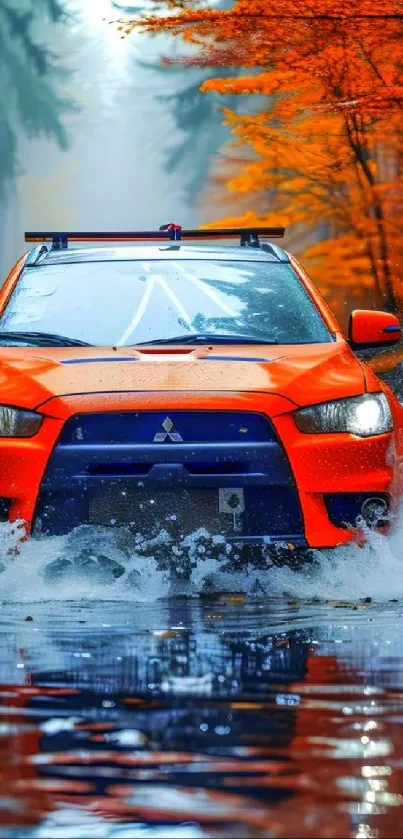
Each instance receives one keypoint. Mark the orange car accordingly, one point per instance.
(170, 386)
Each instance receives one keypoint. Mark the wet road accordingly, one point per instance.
(228, 716)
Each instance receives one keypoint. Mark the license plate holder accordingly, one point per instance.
(231, 501)
(219, 510)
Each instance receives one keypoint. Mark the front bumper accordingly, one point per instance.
(286, 479)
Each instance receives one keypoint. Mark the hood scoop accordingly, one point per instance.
(165, 350)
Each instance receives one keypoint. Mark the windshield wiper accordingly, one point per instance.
(40, 339)
(208, 338)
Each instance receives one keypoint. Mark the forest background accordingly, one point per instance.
(218, 111)
(321, 152)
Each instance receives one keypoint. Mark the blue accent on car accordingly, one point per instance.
(392, 328)
(110, 359)
(134, 358)
(235, 358)
(344, 508)
(96, 360)
(106, 469)
(111, 428)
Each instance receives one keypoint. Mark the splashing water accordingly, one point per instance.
(145, 569)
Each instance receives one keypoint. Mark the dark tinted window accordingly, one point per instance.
(127, 302)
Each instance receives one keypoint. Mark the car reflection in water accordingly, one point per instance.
(230, 720)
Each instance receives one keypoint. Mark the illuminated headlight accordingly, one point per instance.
(14, 422)
(364, 416)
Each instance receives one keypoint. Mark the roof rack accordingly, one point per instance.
(248, 236)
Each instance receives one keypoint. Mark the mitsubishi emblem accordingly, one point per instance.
(169, 433)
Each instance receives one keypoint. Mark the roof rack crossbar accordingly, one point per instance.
(248, 236)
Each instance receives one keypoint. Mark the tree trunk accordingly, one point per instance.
(359, 146)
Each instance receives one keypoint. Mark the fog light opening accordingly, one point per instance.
(5, 506)
(375, 511)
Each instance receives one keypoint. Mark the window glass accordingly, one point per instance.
(128, 302)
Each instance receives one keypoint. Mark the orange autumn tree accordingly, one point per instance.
(325, 154)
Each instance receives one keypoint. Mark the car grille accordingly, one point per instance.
(193, 427)
(223, 470)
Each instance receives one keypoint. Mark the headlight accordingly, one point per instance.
(14, 422)
(364, 416)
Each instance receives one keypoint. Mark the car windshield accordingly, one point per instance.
(131, 302)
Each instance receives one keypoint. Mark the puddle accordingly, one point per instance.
(229, 717)
(132, 707)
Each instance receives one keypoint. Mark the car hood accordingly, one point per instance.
(306, 374)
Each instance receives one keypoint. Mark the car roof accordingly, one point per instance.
(266, 253)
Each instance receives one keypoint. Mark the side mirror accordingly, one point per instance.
(368, 329)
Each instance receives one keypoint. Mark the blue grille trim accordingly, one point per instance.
(236, 450)
(112, 428)
(263, 464)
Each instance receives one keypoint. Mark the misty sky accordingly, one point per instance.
(112, 175)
